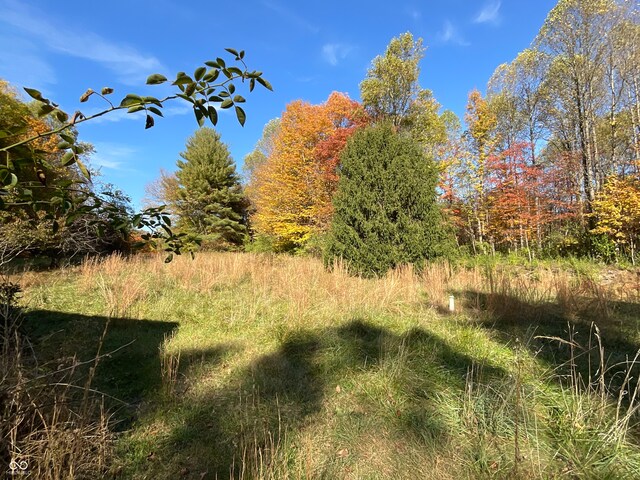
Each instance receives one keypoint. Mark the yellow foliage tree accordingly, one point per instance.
(617, 213)
(290, 187)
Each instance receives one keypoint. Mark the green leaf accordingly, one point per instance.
(45, 109)
(213, 115)
(190, 89)
(211, 75)
(68, 158)
(235, 71)
(33, 93)
(241, 55)
(199, 116)
(264, 83)
(83, 169)
(77, 149)
(63, 145)
(252, 84)
(232, 88)
(107, 91)
(220, 62)
(182, 79)
(239, 99)
(156, 110)
(227, 103)
(167, 230)
(212, 64)
(166, 219)
(242, 117)
(67, 138)
(156, 79)
(199, 73)
(169, 258)
(61, 116)
(135, 109)
(150, 122)
(130, 99)
(153, 100)
(232, 51)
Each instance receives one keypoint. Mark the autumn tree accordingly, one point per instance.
(210, 201)
(386, 208)
(391, 92)
(617, 214)
(293, 188)
(262, 150)
(254, 160)
(515, 207)
(391, 85)
(574, 36)
(481, 122)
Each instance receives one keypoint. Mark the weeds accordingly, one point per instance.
(52, 425)
(308, 373)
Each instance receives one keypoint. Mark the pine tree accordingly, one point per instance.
(386, 210)
(210, 199)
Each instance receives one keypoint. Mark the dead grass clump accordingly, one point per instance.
(120, 281)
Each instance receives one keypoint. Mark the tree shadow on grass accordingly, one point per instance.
(547, 328)
(238, 428)
(130, 369)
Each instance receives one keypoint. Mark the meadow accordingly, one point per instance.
(239, 365)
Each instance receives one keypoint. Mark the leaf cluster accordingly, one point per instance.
(210, 87)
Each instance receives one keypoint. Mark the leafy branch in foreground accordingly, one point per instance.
(211, 87)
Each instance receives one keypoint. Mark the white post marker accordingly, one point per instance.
(452, 303)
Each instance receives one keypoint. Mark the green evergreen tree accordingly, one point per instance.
(386, 210)
(210, 202)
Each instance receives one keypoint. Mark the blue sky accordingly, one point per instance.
(305, 49)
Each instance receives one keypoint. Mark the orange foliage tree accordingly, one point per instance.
(513, 201)
(294, 187)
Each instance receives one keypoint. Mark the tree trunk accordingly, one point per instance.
(587, 173)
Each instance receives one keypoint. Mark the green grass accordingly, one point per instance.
(270, 367)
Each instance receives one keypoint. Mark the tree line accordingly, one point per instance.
(544, 163)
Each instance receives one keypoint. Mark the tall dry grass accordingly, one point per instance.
(310, 291)
(300, 292)
(53, 426)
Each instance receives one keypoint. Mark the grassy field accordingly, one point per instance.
(257, 366)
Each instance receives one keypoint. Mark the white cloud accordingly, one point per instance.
(112, 156)
(450, 34)
(413, 13)
(22, 64)
(333, 53)
(131, 66)
(490, 13)
(291, 16)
